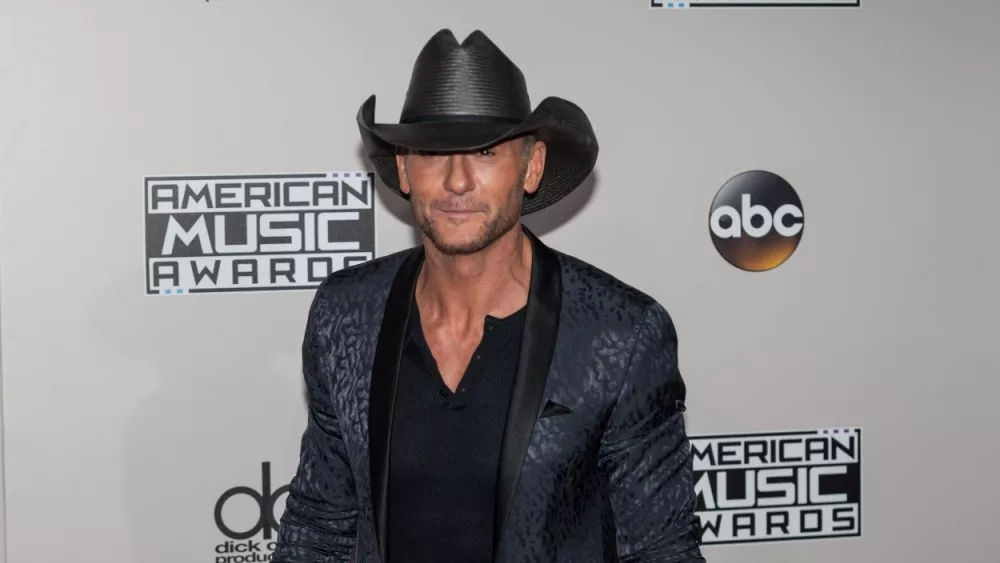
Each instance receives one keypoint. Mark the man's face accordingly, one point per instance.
(463, 202)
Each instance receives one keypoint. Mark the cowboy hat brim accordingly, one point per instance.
(570, 156)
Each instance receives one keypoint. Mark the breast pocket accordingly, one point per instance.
(562, 442)
(556, 421)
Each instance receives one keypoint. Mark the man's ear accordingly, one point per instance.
(404, 182)
(535, 168)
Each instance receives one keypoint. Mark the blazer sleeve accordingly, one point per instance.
(320, 520)
(646, 455)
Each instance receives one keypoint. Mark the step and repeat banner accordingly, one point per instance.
(808, 188)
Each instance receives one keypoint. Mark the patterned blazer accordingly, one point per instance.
(607, 478)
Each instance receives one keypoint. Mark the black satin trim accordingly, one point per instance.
(384, 379)
(541, 325)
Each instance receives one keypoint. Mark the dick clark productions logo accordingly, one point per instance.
(756, 221)
(267, 522)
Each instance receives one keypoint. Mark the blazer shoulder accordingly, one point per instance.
(358, 289)
(598, 295)
(370, 275)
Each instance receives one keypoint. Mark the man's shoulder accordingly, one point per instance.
(362, 282)
(597, 295)
(374, 270)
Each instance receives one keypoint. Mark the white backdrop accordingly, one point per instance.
(127, 416)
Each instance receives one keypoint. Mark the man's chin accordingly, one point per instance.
(456, 242)
(459, 246)
(462, 239)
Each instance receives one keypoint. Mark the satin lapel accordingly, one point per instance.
(382, 395)
(537, 347)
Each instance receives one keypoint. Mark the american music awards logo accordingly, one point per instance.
(778, 486)
(255, 232)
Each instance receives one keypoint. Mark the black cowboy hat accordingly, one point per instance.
(470, 96)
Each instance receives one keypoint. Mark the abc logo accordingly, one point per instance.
(756, 221)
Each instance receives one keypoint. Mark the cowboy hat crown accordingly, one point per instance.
(474, 80)
(470, 96)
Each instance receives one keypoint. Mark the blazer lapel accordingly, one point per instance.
(382, 394)
(537, 347)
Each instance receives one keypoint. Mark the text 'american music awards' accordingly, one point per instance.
(255, 232)
(778, 486)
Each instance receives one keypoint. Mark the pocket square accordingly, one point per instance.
(553, 408)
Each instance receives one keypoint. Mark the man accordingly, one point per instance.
(483, 397)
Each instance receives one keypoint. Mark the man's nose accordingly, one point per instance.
(459, 176)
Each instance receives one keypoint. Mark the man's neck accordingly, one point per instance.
(461, 290)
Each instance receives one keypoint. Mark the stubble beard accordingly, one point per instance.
(506, 219)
